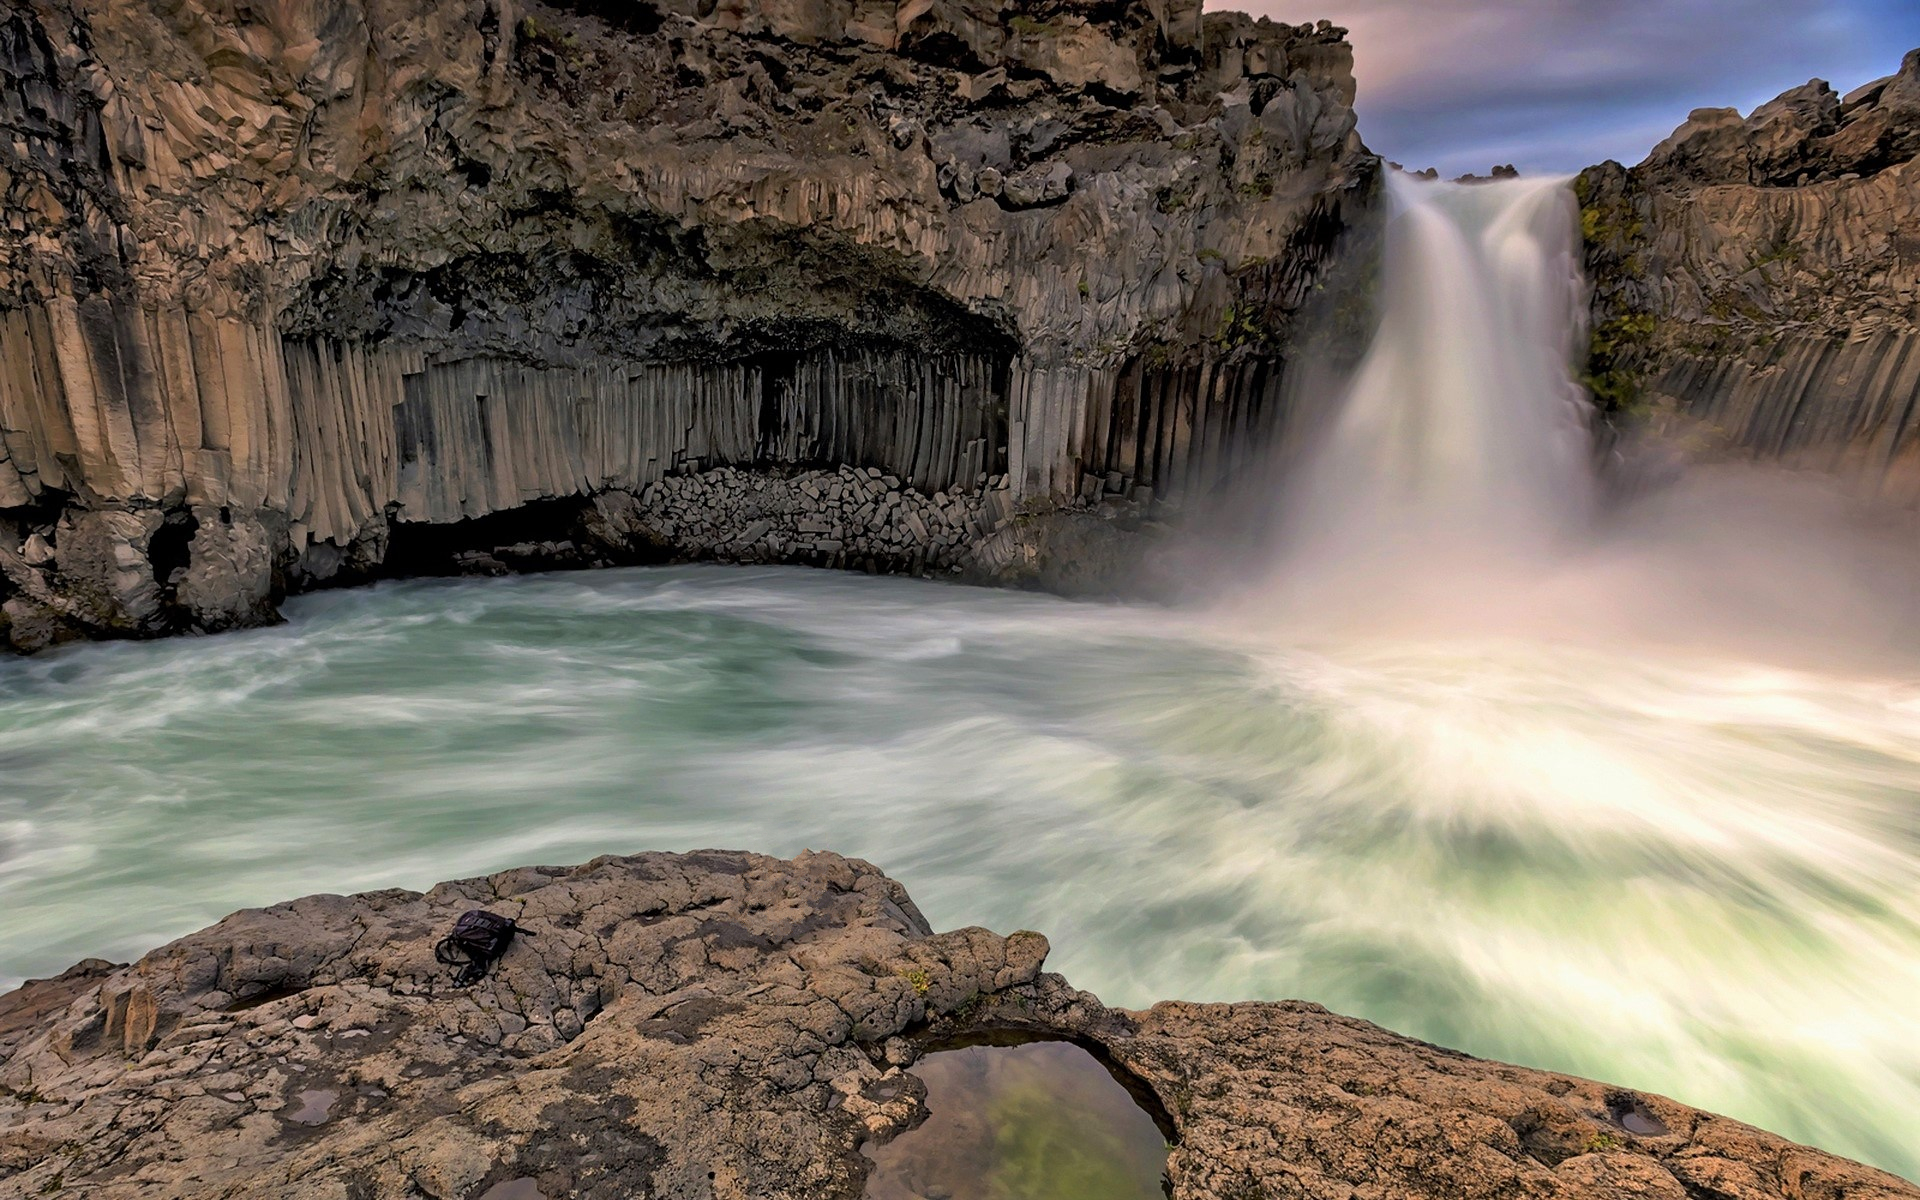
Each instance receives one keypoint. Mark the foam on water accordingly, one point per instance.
(1693, 875)
(1631, 792)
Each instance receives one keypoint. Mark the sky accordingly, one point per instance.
(1557, 85)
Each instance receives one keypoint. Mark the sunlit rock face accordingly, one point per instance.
(1758, 280)
(277, 281)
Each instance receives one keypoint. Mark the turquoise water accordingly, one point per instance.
(1698, 876)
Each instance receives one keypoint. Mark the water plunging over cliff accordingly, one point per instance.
(1463, 427)
(1446, 484)
(1387, 783)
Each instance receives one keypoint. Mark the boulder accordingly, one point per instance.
(721, 1024)
(228, 580)
(1040, 184)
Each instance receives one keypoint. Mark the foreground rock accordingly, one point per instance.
(308, 292)
(1757, 280)
(729, 1025)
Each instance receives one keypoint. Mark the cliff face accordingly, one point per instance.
(1757, 281)
(285, 289)
(729, 1025)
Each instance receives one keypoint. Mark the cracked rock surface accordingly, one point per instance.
(722, 1024)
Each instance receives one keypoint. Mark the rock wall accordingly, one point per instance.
(1758, 281)
(276, 281)
(718, 1025)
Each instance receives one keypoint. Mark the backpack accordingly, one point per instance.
(478, 940)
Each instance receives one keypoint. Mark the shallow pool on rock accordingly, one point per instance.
(1039, 1121)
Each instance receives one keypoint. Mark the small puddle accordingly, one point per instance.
(513, 1189)
(314, 1107)
(1632, 1115)
(1039, 1121)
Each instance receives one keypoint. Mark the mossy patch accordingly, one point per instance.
(1240, 325)
(1042, 1151)
(1175, 197)
(1027, 26)
(1615, 347)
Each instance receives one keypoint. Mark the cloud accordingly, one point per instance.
(1555, 85)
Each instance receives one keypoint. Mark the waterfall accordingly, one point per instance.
(1463, 430)
(1446, 485)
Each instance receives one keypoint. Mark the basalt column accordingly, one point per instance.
(278, 287)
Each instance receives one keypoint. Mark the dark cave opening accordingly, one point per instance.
(170, 549)
(640, 17)
(543, 535)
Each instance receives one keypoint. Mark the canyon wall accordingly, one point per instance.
(1757, 281)
(304, 293)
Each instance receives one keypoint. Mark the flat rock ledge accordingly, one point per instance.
(723, 1024)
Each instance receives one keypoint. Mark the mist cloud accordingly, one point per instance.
(1556, 85)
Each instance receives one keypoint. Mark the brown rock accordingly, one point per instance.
(725, 1024)
(1757, 281)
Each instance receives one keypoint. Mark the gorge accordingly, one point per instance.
(338, 291)
(291, 291)
(1541, 684)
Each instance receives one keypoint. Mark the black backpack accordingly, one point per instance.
(478, 940)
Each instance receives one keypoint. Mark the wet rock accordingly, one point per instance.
(819, 516)
(30, 626)
(228, 580)
(722, 1023)
(28, 1006)
(106, 568)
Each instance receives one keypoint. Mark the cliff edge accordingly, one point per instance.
(1757, 281)
(306, 293)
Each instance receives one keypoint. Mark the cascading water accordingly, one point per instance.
(1446, 484)
(1462, 431)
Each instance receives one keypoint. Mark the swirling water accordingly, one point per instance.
(1633, 793)
(1689, 874)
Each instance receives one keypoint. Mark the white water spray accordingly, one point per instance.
(1463, 426)
(1449, 485)
(1689, 873)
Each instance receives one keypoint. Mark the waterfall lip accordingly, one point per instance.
(1462, 423)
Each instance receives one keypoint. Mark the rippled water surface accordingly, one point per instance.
(1697, 877)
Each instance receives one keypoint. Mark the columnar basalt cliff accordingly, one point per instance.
(288, 289)
(722, 1025)
(1757, 280)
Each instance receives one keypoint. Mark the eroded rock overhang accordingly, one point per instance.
(285, 279)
